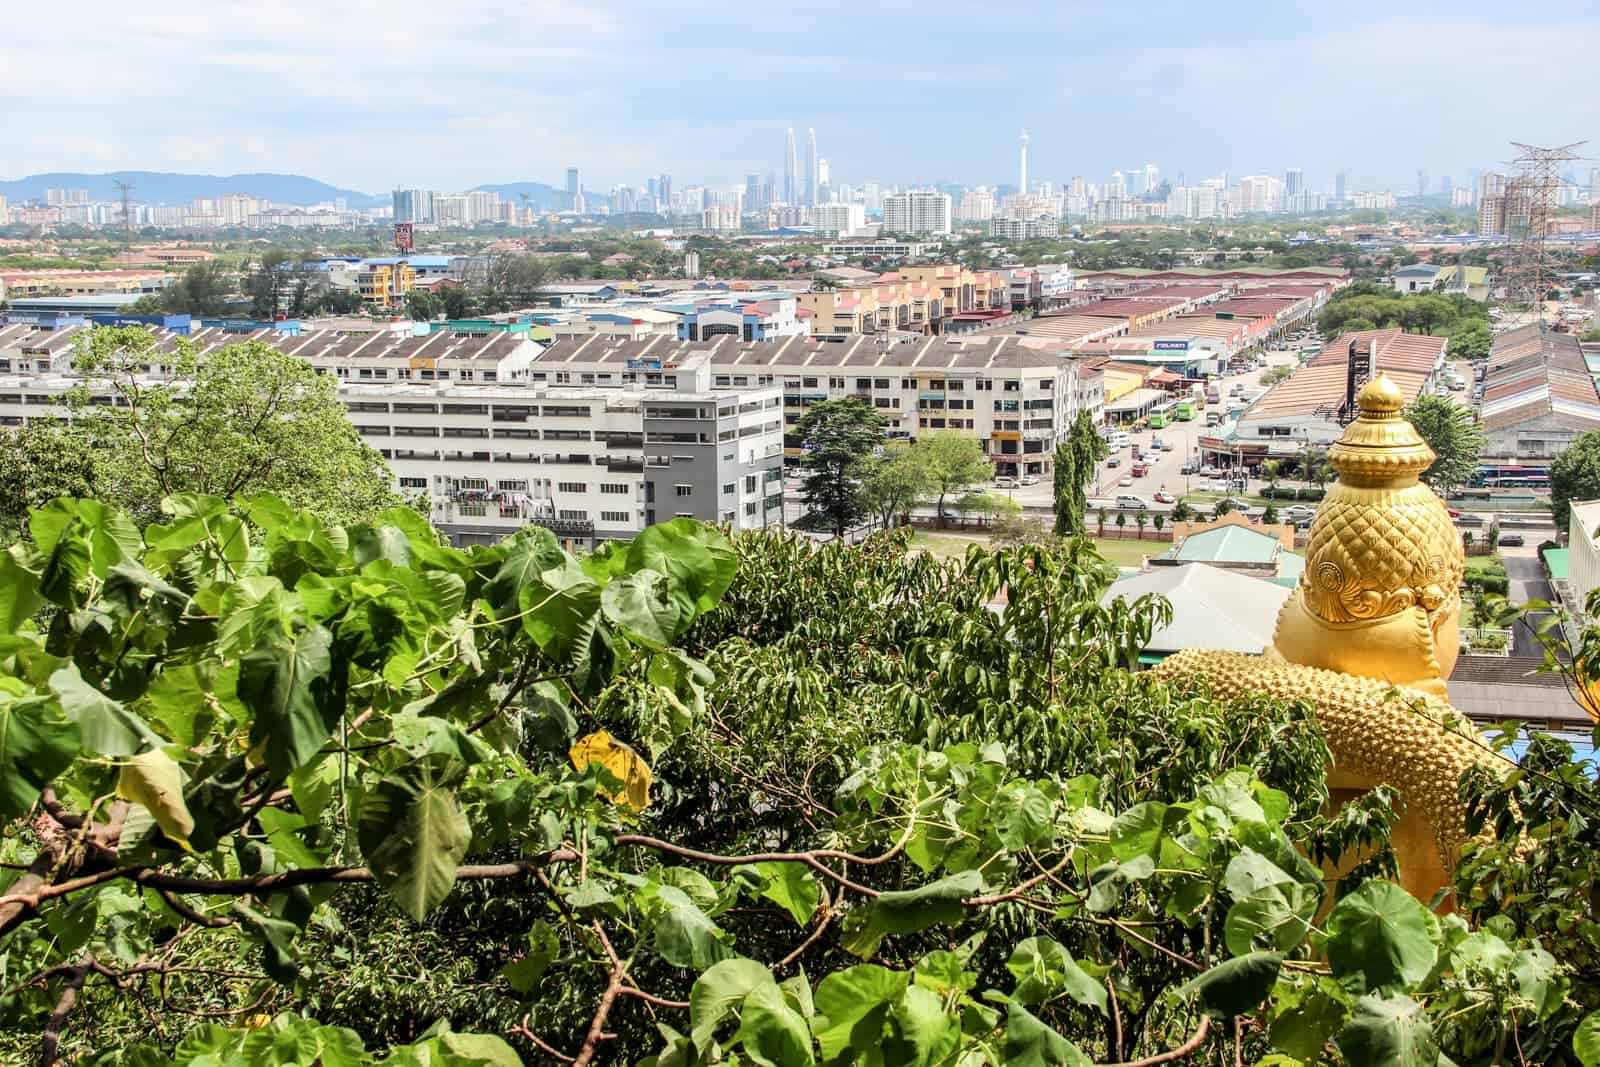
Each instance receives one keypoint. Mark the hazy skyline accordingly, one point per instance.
(371, 95)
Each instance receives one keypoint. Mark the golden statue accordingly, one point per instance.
(1369, 636)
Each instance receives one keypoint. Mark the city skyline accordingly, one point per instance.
(522, 96)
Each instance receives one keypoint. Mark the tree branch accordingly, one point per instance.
(1194, 1042)
(50, 1045)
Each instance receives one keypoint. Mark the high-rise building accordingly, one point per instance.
(413, 205)
(813, 180)
(977, 205)
(838, 220)
(1491, 214)
(1338, 186)
(1117, 188)
(1294, 181)
(752, 192)
(1594, 185)
(1260, 192)
(572, 181)
(920, 211)
(1152, 179)
(664, 193)
(1022, 171)
(1422, 183)
(791, 167)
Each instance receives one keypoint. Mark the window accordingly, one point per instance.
(614, 488)
(750, 483)
(572, 487)
(729, 488)
(512, 486)
(684, 490)
(616, 516)
(573, 514)
(413, 483)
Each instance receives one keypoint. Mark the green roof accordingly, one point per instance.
(1291, 565)
(1229, 544)
(1555, 561)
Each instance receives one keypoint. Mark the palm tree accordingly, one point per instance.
(1270, 470)
(1139, 520)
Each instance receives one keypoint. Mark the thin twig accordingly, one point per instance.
(1194, 1042)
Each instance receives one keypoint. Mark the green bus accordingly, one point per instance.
(1185, 411)
(1161, 415)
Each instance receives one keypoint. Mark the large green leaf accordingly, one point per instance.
(37, 742)
(528, 554)
(642, 606)
(19, 587)
(1235, 986)
(1304, 1025)
(1044, 969)
(718, 992)
(1381, 937)
(1586, 1040)
(772, 1033)
(696, 557)
(287, 685)
(1137, 831)
(105, 726)
(1274, 917)
(684, 936)
(558, 609)
(64, 570)
(108, 533)
(1390, 1031)
(921, 1034)
(1030, 1043)
(909, 910)
(414, 833)
(851, 1005)
(791, 886)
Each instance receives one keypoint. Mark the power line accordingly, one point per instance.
(1531, 201)
(124, 188)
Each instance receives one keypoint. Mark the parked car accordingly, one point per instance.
(1028, 479)
(1298, 514)
(1188, 468)
(1209, 471)
(1511, 540)
(1114, 462)
(1235, 504)
(1005, 483)
(1164, 497)
(1128, 502)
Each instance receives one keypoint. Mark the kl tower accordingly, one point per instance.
(1023, 172)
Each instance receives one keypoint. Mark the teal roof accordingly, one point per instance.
(1229, 544)
(1555, 561)
(1291, 566)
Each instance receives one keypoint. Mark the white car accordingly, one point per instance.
(1129, 502)
(1005, 483)
(1028, 479)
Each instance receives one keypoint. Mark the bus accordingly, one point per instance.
(1161, 415)
(1184, 411)
(1511, 476)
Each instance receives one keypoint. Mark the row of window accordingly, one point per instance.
(952, 385)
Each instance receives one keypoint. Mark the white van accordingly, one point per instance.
(1118, 440)
(1131, 503)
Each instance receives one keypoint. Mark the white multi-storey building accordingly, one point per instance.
(920, 211)
(838, 220)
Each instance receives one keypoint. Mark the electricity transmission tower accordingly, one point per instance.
(123, 189)
(1531, 201)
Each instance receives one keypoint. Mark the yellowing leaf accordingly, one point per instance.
(621, 762)
(154, 780)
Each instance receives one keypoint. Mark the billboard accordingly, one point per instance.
(1170, 346)
(403, 237)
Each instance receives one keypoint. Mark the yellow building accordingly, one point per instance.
(918, 299)
(386, 284)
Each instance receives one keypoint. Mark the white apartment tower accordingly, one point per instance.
(920, 211)
(1022, 172)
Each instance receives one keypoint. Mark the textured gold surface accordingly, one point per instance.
(1370, 633)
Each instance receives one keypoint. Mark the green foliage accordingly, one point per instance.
(838, 434)
(951, 462)
(356, 776)
(1574, 475)
(892, 483)
(1075, 460)
(1453, 435)
(249, 419)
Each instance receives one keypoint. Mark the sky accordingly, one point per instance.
(371, 95)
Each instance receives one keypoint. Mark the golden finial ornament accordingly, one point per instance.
(1371, 633)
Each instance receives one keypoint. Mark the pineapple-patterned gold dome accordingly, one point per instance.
(1382, 547)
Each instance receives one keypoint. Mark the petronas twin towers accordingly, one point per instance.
(800, 187)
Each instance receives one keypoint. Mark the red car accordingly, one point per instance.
(1163, 497)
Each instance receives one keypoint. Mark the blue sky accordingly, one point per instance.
(368, 94)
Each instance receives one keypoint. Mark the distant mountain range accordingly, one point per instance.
(154, 187)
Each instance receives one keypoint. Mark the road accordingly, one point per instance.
(1527, 582)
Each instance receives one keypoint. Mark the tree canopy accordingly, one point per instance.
(1075, 460)
(247, 418)
(278, 790)
(1452, 433)
(837, 435)
(1574, 475)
